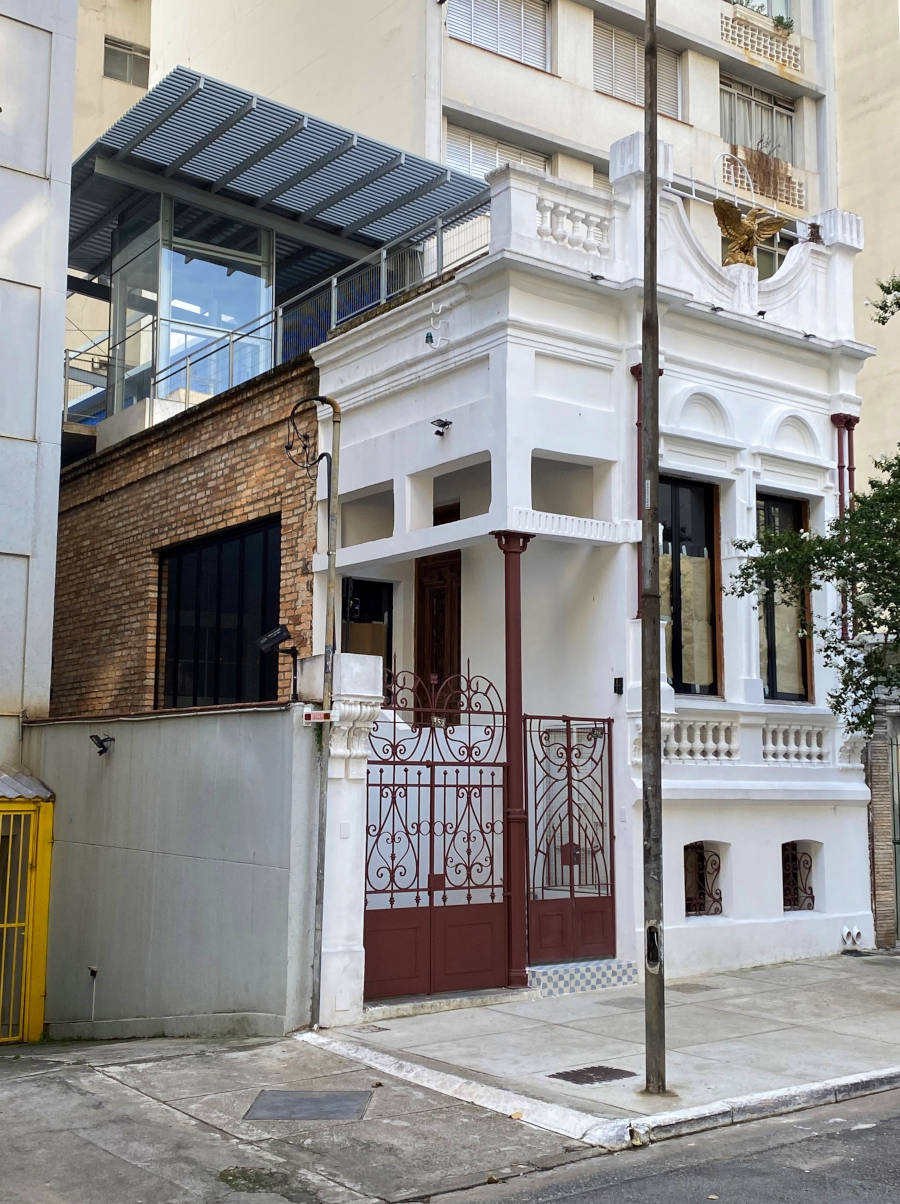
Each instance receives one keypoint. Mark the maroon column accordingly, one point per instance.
(839, 421)
(515, 853)
(850, 423)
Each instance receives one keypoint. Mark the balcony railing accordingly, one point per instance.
(219, 360)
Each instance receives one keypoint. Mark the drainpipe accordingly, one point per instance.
(333, 464)
(846, 470)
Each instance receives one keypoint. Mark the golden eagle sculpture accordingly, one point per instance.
(744, 233)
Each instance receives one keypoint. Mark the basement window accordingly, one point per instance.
(702, 879)
(796, 876)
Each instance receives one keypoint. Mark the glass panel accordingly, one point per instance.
(666, 602)
(782, 654)
(134, 294)
(229, 621)
(140, 71)
(187, 624)
(207, 606)
(253, 616)
(115, 63)
(697, 650)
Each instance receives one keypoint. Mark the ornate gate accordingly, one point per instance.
(435, 914)
(568, 790)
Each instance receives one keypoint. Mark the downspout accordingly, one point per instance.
(839, 422)
(333, 462)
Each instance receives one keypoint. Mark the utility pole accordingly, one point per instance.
(651, 731)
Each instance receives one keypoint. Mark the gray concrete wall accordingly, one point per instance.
(183, 869)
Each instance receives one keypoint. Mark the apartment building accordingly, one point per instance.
(552, 83)
(37, 55)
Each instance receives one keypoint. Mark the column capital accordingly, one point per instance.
(512, 542)
(845, 421)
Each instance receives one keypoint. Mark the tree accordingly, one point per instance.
(889, 301)
(858, 554)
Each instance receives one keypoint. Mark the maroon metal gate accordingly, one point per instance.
(435, 915)
(568, 790)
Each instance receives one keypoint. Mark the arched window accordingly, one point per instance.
(702, 879)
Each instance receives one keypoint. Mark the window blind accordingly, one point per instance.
(516, 29)
(619, 69)
(477, 154)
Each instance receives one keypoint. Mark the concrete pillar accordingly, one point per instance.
(358, 697)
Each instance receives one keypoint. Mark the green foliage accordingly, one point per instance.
(858, 554)
(889, 301)
(785, 24)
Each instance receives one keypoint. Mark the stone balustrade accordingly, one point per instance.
(797, 741)
(570, 226)
(701, 739)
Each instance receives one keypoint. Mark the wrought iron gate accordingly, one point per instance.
(568, 790)
(435, 914)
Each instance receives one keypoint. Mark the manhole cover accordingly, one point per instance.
(309, 1105)
(690, 988)
(593, 1074)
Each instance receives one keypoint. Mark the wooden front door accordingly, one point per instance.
(437, 619)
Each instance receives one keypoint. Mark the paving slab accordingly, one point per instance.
(391, 1097)
(271, 1065)
(412, 1156)
(539, 1048)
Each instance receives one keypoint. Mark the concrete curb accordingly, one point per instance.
(626, 1133)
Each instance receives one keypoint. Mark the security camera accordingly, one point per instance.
(103, 744)
(271, 639)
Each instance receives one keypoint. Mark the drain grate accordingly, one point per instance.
(593, 1074)
(309, 1105)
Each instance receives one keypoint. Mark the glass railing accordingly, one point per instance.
(194, 362)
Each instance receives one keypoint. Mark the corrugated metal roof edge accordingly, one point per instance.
(16, 784)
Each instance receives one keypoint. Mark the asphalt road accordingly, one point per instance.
(839, 1154)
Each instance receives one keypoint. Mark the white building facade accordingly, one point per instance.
(505, 400)
(37, 54)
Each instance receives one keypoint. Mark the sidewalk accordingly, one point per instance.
(393, 1109)
(727, 1035)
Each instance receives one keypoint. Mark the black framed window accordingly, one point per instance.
(687, 584)
(783, 661)
(367, 618)
(217, 596)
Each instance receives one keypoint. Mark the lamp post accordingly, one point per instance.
(651, 733)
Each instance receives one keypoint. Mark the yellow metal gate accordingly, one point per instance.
(25, 840)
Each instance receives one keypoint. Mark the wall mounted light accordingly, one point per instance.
(103, 744)
(441, 425)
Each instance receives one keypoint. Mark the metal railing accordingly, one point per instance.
(219, 360)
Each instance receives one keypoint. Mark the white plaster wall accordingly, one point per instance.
(182, 863)
(540, 340)
(37, 58)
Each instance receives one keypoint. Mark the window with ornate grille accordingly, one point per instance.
(217, 596)
(796, 877)
(127, 62)
(619, 69)
(702, 889)
(517, 29)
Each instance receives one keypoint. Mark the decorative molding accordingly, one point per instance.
(353, 718)
(851, 750)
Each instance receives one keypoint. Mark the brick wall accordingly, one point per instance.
(217, 465)
(882, 833)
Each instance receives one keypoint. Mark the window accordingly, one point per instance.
(619, 69)
(783, 655)
(796, 876)
(687, 581)
(367, 618)
(217, 597)
(124, 61)
(702, 870)
(477, 154)
(757, 119)
(517, 29)
(771, 8)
